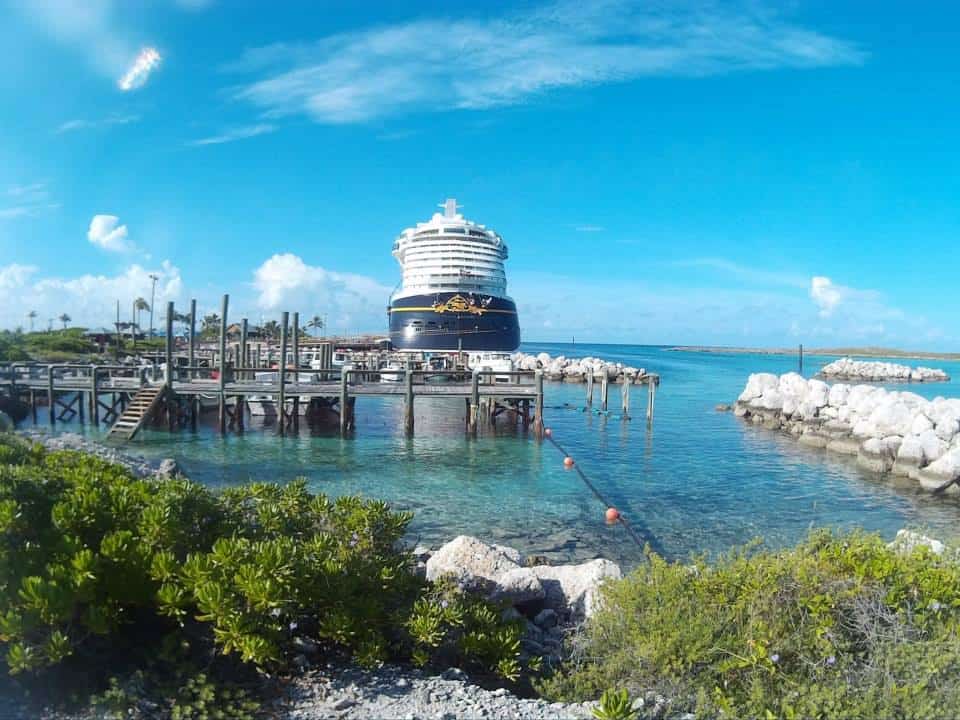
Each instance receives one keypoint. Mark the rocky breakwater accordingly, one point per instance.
(549, 599)
(888, 431)
(561, 368)
(873, 371)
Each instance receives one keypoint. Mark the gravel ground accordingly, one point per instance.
(392, 693)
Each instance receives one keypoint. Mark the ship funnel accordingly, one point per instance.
(450, 208)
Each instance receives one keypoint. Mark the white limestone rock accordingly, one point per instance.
(907, 540)
(518, 586)
(943, 473)
(817, 392)
(473, 564)
(757, 384)
(837, 397)
(573, 590)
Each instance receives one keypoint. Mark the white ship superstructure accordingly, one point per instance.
(453, 289)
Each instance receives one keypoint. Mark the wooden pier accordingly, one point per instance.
(127, 397)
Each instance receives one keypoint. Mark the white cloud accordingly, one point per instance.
(107, 233)
(590, 228)
(89, 299)
(356, 302)
(80, 124)
(15, 276)
(239, 133)
(481, 63)
(826, 295)
(136, 76)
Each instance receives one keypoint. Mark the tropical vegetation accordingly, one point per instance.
(152, 582)
(841, 626)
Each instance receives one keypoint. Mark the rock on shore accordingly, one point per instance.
(871, 370)
(888, 431)
(577, 369)
(138, 465)
(571, 591)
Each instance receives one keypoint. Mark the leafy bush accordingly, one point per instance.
(66, 343)
(11, 347)
(93, 558)
(841, 626)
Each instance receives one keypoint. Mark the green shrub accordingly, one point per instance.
(615, 705)
(93, 558)
(841, 626)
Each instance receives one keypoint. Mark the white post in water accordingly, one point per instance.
(625, 397)
(651, 396)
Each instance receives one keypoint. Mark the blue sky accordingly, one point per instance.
(731, 173)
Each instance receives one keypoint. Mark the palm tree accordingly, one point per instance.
(64, 319)
(316, 323)
(140, 305)
(271, 329)
(210, 325)
(32, 315)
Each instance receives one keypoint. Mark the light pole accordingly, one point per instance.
(153, 292)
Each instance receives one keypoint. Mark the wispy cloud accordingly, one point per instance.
(136, 76)
(25, 201)
(239, 133)
(449, 64)
(80, 124)
(755, 275)
(590, 228)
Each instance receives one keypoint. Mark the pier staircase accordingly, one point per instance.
(137, 413)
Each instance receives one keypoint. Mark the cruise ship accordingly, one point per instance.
(453, 290)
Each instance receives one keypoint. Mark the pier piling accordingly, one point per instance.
(408, 401)
(222, 380)
(590, 390)
(651, 397)
(191, 350)
(604, 392)
(625, 398)
(282, 405)
(538, 404)
(168, 374)
(344, 402)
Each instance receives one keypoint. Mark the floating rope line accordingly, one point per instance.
(593, 488)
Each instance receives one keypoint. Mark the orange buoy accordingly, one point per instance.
(568, 462)
(612, 515)
(548, 432)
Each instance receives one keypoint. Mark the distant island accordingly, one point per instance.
(840, 352)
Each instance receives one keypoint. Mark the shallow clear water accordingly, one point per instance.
(698, 481)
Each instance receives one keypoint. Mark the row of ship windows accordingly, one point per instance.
(434, 277)
(492, 269)
(450, 256)
(453, 231)
(455, 286)
(465, 246)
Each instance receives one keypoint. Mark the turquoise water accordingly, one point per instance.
(697, 481)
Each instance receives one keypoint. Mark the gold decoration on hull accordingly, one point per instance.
(458, 303)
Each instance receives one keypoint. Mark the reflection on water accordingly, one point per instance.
(698, 481)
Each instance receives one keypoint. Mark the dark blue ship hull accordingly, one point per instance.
(454, 321)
